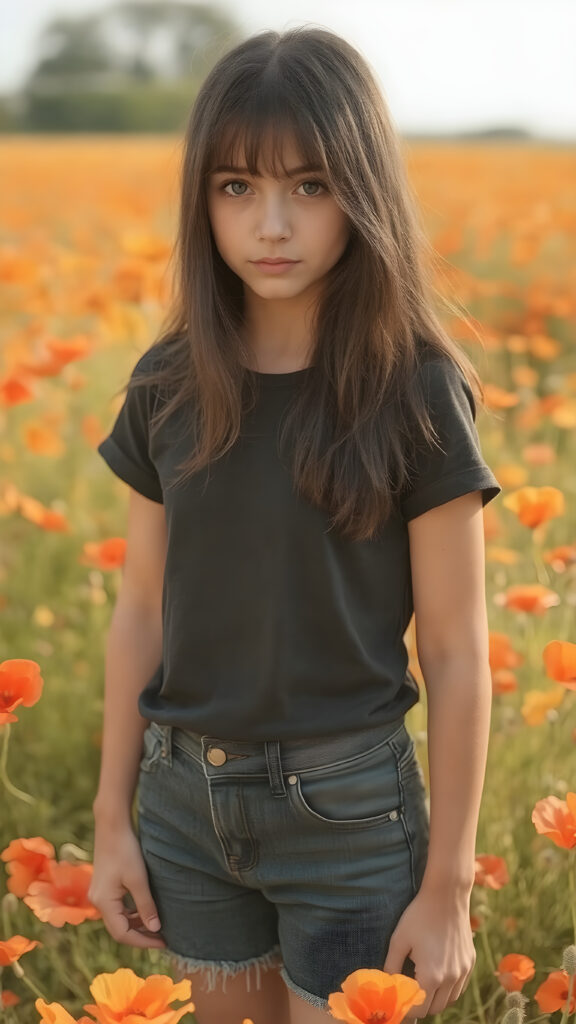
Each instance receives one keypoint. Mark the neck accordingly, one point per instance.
(278, 333)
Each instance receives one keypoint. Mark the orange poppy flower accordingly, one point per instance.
(12, 949)
(503, 681)
(514, 970)
(43, 440)
(123, 996)
(92, 429)
(490, 871)
(510, 474)
(528, 597)
(58, 352)
(556, 819)
(552, 994)
(501, 654)
(476, 922)
(46, 518)
(497, 398)
(370, 996)
(535, 505)
(107, 554)
(560, 557)
(20, 683)
(63, 898)
(8, 998)
(504, 556)
(53, 1013)
(564, 416)
(537, 704)
(560, 660)
(27, 860)
(15, 390)
(539, 454)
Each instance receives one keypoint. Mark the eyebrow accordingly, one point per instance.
(304, 168)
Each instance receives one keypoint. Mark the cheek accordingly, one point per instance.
(334, 234)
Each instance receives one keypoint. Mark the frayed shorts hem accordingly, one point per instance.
(308, 997)
(224, 968)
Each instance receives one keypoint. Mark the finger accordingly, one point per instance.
(441, 999)
(117, 923)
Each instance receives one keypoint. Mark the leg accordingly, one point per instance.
(231, 1002)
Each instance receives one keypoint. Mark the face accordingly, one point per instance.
(255, 218)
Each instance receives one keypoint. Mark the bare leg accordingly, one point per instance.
(265, 1005)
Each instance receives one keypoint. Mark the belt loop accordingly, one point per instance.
(272, 748)
(166, 751)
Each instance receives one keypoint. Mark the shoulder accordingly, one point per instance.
(154, 358)
(444, 386)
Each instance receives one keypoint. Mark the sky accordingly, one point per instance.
(443, 65)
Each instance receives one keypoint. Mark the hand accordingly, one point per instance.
(435, 932)
(119, 868)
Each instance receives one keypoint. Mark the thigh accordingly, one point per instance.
(236, 998)
(354, 860)
(205, 913)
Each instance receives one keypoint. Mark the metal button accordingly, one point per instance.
(393, 815)
(216, 756)
(292, 779)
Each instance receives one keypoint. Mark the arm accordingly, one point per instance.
(447, 554)
(133, 652)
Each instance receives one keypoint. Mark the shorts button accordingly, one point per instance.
(292, 779)
(393, 815)
(216, 756)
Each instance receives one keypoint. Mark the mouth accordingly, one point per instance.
(275, 266)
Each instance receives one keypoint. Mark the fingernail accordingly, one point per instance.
(154, 924)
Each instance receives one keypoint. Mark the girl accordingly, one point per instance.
(305, 473)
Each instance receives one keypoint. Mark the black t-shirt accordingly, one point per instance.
(274, 626)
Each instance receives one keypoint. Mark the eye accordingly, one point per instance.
(320, 184)
(225, 185)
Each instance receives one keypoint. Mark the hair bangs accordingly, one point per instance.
(255, 138)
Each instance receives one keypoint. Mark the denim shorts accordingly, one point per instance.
(301, 854)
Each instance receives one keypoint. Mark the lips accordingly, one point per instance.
(280, 259)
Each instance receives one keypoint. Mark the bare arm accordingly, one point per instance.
(133, 653)
(447, 552)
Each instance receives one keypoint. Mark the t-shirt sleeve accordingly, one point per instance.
(458, 467)
(126, 449)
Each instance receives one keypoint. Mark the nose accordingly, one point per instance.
(272, 219)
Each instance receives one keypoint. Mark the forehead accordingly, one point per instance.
(275, 151)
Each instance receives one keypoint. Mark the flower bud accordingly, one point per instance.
(569, 960)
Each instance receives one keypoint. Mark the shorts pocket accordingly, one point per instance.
(151, 748)
(360, 792)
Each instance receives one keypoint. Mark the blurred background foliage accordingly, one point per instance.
(133, 66)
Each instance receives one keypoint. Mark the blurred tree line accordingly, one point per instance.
(134, 66)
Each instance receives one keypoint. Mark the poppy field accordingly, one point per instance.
(86, 231)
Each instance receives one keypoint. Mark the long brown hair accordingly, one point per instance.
(351, 425)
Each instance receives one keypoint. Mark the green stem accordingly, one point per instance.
(487, 949)
(81, 964)
(3, 772)
(19, 972)
(477, 997)
(539, 565)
